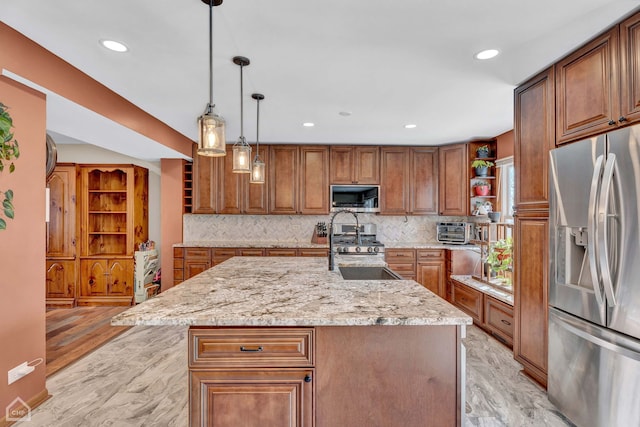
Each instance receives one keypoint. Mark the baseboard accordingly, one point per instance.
(31, 404)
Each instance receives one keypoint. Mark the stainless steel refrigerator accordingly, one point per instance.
(594, 280)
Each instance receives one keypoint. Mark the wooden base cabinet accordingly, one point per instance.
(106, 282)
(431, 271)
(61, 283)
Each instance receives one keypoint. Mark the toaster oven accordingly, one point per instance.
(455, 233)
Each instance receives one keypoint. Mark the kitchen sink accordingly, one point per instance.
(368, 273)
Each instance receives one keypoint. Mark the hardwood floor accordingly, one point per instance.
(74, 332)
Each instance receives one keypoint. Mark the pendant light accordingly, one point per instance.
(241, 150)
(257, 167)
(211, 132)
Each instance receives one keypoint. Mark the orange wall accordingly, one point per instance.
(22, 247)
(505, 144)
(170, 215)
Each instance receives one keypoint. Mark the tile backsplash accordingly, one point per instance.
(299, 228)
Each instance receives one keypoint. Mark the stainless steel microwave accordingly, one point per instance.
(358, 198)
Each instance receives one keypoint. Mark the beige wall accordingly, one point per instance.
(22, 248)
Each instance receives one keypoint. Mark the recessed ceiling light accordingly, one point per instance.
(345, 113)
(114, 45)
(308, 125)
(487, 54)
(410, 126)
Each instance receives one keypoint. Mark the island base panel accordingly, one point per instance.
(388, 376)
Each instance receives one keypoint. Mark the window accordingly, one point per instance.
(507, 188)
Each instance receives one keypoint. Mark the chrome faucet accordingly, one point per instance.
(357, 237)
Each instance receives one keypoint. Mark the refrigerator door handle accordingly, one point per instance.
(592, 230)
(610, 171)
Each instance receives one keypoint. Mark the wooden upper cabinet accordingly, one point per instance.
(394, 181)
(587, 89)
(229, 185)
(355, 165)
(256, 196)
(423, 182)
(453, 182)
(630, 68)
(314, 180)
(534, 134)
(283, 179)
(61, 228)
(205, 184)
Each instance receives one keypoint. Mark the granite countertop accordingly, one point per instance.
(499, 294)
(290, 291)
(430, 245)
(284, 244)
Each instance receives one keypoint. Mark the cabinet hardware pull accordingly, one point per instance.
(251, 350)
(506, 322)
(307, 378)
(611, 122)
(622, 119)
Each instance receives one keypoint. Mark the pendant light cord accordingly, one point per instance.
(210, 54)
(258, 130)
(241, 104)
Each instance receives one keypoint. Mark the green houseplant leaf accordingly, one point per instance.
(9, 150)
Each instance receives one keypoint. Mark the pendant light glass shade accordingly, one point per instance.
(211, 138)
(241, 150)
(211, 127)
(258, 166)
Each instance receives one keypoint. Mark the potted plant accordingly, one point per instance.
(481, 188)
(499, 257)
(483, 152)
(481, 166)
(8, 152)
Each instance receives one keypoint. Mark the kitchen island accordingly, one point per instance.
(284, 341)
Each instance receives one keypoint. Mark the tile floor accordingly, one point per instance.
(140, 379)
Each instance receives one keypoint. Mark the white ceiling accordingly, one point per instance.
(389, 63)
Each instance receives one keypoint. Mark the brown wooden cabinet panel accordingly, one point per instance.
(252, 398)
(61, 282)
(205, 183)
(453, 182)
(534, 137)
(106, 281)
(313, 252)
(256, 196)
(120, 277)
(423, 182)
(229, 186)
(588, 91)
(530, 295)
(354, 165)
(402, 261)
(630, 68)
(62, 225)
(219, 255)
(394, 181)
(283, 179)
(468, 300)
(94, 280)
(281, 252)
(250, 252)
(431, 270)
(314, 180)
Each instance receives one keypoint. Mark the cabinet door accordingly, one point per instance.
(531, 266)
(93, 277)
(120, 278)
(534, 134)
(314, 180)
(453, 183)
(195, 266)
(252, 398)
(256, 196)
(587, 97)
(205, 185)
(341, 165)
(61, 279)
(229, 186)
(283, 179)
(468, 300)
(423, 187)
(630, 68)
(431, 275)
(498, 318)
(394, 181)
(61, 228)
(366, 161)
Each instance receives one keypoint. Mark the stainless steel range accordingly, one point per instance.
(346, 241)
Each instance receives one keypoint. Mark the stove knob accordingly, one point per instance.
(358, 248)
(370, 249)
(341, 249)
(376, 249)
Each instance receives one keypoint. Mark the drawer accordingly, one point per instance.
(282, 252)
(251, 347)
(251, 252)
(468, 300)
(313, 252)
(222, 254)
(499, 317)
(391, 255)
(178, 252)
(200, 253)
(430, 254)
(402, 267)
